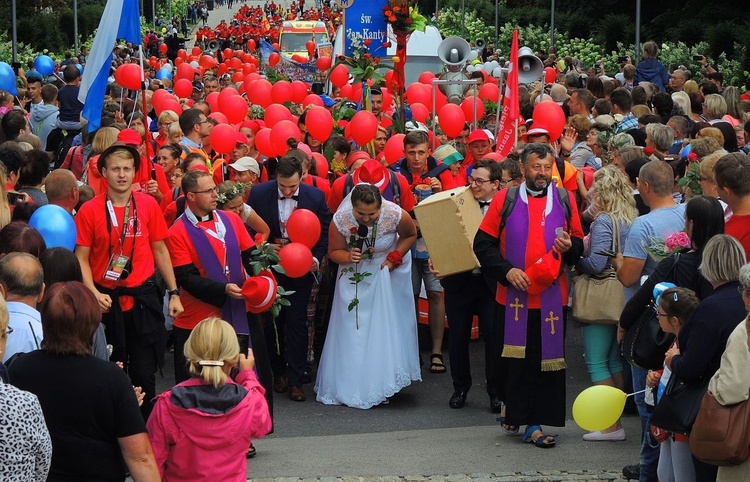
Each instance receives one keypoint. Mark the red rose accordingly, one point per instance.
(353, 230)
(367, 42)
(648, 151)
(258, 239)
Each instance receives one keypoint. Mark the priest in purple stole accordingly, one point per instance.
(523, 249)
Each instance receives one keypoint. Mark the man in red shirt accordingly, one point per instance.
(732, 174)
(118, 265)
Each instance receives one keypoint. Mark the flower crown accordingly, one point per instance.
(236, 190)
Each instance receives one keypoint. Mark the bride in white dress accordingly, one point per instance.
(370, 352)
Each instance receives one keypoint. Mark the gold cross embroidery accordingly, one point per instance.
(551, 320)
(516, 305)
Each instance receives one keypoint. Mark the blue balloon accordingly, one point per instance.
(686, 150)
(80, 68)
(7, 79)
(56, 226)
(163, 74)
(44, 65)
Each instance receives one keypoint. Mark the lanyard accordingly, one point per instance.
(370, 242)
(125, 221)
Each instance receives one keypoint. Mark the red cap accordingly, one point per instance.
(259, 292)
(535, 131)
(372, 172)
(544, 272)
(356, 156)
(251, 124)
(478, 135)
(130, 137)
(241, 138)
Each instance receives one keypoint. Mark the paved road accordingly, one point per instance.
(419, 434)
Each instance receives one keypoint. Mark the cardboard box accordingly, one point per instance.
(448, 221)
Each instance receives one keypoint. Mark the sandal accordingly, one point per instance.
(437, 367)
(541, 441)
(509, 429)
(251, 452)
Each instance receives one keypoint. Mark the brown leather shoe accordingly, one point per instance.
(296, 394)
(280, 384)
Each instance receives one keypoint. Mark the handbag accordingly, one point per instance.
(678, 406)
(721, 433)
(645, 343)
(599, 298)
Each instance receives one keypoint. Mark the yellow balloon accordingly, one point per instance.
(598, 407)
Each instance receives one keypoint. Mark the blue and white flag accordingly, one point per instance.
(120, 20)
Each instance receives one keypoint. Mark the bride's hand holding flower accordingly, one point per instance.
(355, 255)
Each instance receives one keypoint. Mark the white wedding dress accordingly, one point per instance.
(362, 367)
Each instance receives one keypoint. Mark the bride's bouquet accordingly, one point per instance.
(358, 239)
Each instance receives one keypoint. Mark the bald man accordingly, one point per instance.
(61, 187)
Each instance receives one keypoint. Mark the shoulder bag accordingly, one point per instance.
(645, 343)
(599, 298)
(721, 433)
(678, 406)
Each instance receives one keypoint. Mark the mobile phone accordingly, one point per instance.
(621, 59)
(153, 174)
(15, 197)
(697, 58)
(607, 252)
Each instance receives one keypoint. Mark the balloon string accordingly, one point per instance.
(636, 393)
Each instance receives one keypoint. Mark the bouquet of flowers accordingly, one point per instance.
(358, 239)
(659, 248)
(403, 17)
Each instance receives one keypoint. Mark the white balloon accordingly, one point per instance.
(473, 55)
(497, 72)
(194, 64)
(494, 64)
(167, 67)
(470, 68)
(487, 67)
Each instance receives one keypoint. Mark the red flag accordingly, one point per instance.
(506, 134)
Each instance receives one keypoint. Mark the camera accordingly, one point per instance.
(621, 59)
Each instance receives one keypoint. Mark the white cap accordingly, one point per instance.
(246, 164)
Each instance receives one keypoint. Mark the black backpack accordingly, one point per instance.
(512, 196)
(395, 186)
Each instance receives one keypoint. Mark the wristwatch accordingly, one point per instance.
(174, 292)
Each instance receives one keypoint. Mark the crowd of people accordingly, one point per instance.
(168, 236)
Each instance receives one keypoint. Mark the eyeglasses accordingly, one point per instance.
(203, 121)
(9, 330)
(479, 182)
(166, 124)
(503, 182)
(176, 175)
(207, 191)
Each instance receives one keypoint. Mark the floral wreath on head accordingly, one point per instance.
(237, 189)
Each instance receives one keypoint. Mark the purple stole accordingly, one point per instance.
(233, 310)
(516, 301)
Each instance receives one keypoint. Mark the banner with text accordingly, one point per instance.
(364, 19)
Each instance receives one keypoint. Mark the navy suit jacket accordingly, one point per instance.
(264, 199)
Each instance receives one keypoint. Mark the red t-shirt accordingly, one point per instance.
(91, 222)
(536, 246)
(739, 227)
(336, 196)
(218, 168)
(142, 177)
(182, 252)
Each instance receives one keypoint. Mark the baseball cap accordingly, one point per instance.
(478, 135)
(130, 137)
(544, 272)
(246, 164)
(356, 156)
(447, 154)
(535, 131)
(327, 101)
(241, 138)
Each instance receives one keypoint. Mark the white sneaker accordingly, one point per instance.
(616, 436)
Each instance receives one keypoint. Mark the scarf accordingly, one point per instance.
(516, 312)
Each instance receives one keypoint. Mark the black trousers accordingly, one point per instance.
(140, 363)
(289, 357)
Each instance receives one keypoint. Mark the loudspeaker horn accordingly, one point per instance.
(479, 43)
(454, 53)
(213, 46)
(454, 92)
(530, 67)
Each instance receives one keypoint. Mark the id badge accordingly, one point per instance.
(115, 267)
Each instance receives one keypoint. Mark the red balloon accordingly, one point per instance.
(348, 131)
(296, 259)
(299, 91)
(208, 62)
(281, 92)
(235, 109)
(549, 75)
(170, 104)
(312, 99)
(489, 92)
(319, 122)
(251, 77)
(281, 133)
(418, 93)
(225, 94)
(238, 77)
(182, 53)
(263, 142)
(160, 95)
(419, 112)
(223, 138)
(130, 76)
(213, 101)
(426, 78)
(303, 227)
(339, 76)
(259, 92)
(276, 113)
(321, 164)
(235, 63)
(468, 107)
(274, 59)
(183, 88)
(324, 63)
(440, 100)
(178, 61)
(219, 117)
(196, 51)
(394, 148)
(356, 95)
(364, 127)
(550, 115)
(451, 119)
(251, 45)
(227, 53)
(346, 91)
(153, 61)
(185, 71)
(310, 46)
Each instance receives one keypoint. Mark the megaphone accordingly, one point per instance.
(213, 46)
(530, 67)
(454, 92)
(479, 43)
(454, 52)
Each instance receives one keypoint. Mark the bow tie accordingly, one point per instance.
(295, 197)
(484, 204)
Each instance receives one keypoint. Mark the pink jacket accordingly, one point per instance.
(200, 433)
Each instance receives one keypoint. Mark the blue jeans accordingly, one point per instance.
(649, 447)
